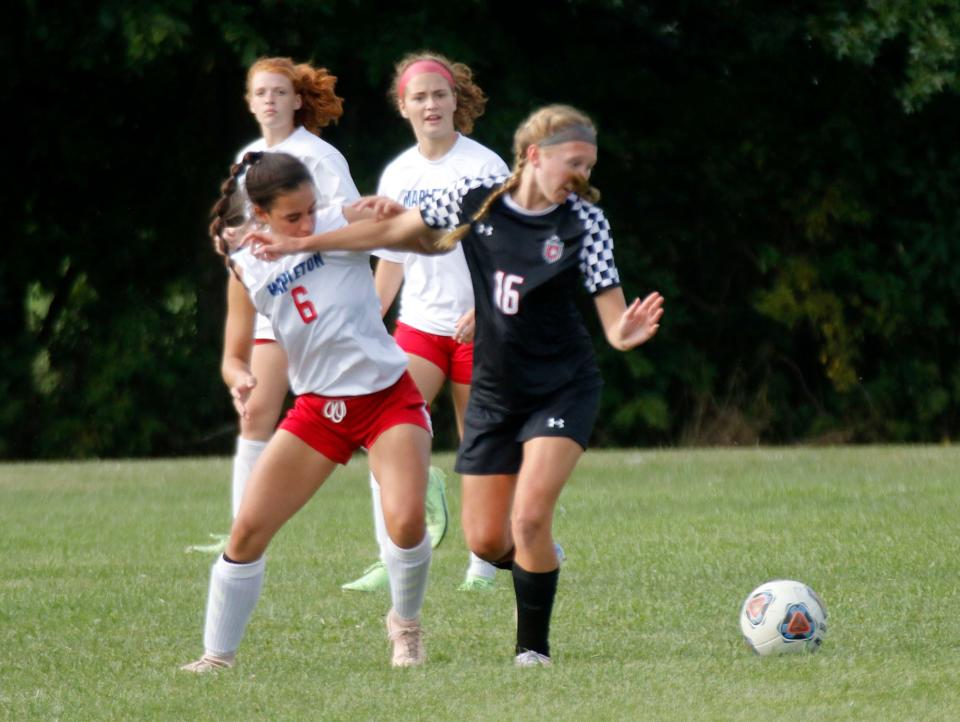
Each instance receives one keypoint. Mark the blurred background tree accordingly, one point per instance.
(785, 174)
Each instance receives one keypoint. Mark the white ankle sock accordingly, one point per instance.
(480, 568)
(408, 569)
(247, 453)
(234, 591)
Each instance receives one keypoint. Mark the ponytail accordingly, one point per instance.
(448, 241)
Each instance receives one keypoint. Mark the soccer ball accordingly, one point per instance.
(783, 616)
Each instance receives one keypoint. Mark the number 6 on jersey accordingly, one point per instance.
(308, 311)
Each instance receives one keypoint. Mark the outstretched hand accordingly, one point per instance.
(240, 394)
(640, 321)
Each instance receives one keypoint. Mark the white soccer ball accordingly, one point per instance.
(783, 616)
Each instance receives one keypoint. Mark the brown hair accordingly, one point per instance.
(321, 106)
(471, 101)
(539, 125)
(266, 176)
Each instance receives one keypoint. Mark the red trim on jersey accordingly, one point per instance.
(262, 341)
(338, 426)
(455, 359)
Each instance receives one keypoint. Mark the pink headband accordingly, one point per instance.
(423, 66)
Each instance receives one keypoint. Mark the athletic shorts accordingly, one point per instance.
(455, 359)
(336, 427)
(493, 439)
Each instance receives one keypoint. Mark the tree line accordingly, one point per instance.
(787, 176)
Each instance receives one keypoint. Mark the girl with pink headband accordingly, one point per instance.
(435, 323)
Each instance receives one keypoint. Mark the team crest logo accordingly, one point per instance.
(552, 249)
(797, 624)
(336, 411)
(757, 606)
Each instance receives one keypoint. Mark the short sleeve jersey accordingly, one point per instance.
(331, 176)
(324, 311)
(526, 267)
(436, 290)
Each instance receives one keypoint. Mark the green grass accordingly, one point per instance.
(99, 603)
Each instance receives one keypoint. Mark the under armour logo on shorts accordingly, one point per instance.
(336, 411)
(554, 423)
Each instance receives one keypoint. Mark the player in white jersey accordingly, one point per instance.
(530, 240)
(441, 101)
(352, 391)
(291, 103)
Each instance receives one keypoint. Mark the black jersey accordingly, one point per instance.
(530, 339)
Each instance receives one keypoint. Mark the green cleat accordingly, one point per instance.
(217, 547)
(436, 506)
(476, 583)
(374, 579)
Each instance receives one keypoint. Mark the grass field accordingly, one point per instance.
(99, 603)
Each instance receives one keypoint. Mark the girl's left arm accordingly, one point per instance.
(627, 327)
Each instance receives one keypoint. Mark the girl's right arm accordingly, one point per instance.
(405, 232)
(238, 345)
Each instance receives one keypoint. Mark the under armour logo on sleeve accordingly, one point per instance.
(554, 423)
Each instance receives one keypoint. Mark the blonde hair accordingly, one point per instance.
(539, 125)
(471, 101)
(320, 105)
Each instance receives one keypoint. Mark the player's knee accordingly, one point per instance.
(528, 529)
(260, 421)
(490, 545)
(247, 541)
(408, 530)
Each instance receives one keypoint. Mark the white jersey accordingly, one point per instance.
(436, 289)
(325, 313)
(331, 175)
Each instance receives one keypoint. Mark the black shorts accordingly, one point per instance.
(493, 439)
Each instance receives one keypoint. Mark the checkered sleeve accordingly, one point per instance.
(449, 208)
(596, 254)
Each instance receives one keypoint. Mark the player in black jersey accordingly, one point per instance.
(530, 239)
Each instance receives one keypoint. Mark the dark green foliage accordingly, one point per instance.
(785, 174)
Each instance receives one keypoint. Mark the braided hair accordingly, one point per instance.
(541, 124)
(258, 180)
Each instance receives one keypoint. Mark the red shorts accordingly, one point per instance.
(455, 359)
(336, 427)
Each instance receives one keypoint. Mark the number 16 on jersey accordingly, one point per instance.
(506, 296)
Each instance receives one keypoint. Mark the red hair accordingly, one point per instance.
(320, 106)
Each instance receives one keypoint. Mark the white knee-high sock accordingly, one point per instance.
(408, 569)
(234, 591)
(248, 451)
(379, 524)
(480, 568)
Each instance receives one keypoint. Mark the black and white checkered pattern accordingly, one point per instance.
(596, 255)
(442, 210)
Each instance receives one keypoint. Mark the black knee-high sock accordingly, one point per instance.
(535, 594)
